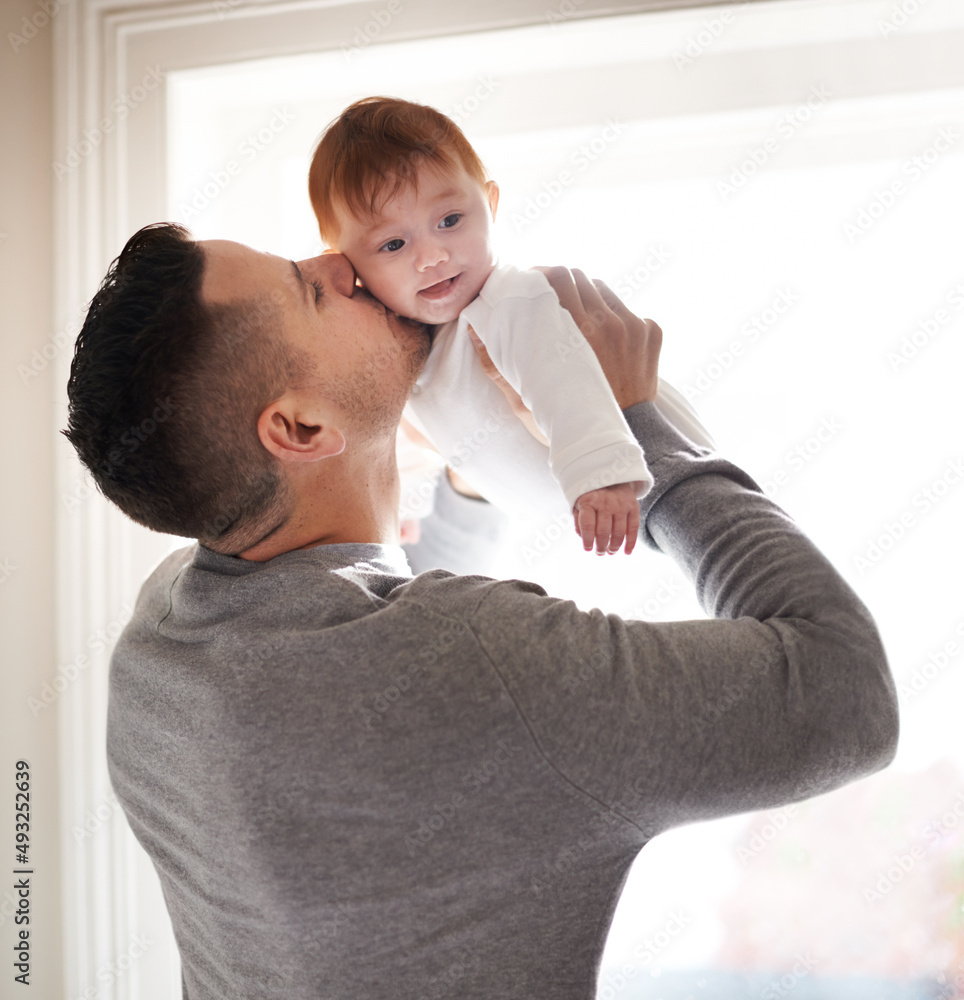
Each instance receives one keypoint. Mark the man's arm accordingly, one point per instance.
(786, 693)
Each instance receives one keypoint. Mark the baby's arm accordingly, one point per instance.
(537, 347)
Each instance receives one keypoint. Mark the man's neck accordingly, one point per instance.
(335, 504)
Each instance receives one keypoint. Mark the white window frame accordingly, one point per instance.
(104, 52)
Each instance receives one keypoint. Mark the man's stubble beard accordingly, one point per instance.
(374, 395)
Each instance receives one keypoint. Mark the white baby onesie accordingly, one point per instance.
(541, 353)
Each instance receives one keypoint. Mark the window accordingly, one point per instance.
(778, 185)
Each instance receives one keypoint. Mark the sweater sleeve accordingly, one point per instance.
(542, 354)
(784, 694)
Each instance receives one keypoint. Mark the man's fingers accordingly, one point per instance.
(488, 365)
(626, 346)
(594, 305)
(564, 285)
(612, 300)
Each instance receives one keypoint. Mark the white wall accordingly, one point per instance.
(29, 418)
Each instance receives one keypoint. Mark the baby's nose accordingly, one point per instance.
(430, 254)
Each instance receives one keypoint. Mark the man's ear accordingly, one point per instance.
(293, 434)
(492, 194)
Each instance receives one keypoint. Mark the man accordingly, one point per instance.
(355, 783)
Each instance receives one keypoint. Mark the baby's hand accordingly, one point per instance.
(608, 516)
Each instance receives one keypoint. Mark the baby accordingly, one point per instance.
(397, 188)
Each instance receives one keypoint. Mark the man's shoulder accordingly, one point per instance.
(168, 570)
(444, 592)
(443, 580)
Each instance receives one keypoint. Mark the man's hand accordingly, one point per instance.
(627, 347)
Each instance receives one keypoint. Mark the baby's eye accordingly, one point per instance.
(450, 220)
(392, 245)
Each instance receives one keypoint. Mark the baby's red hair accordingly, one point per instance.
(373, 148)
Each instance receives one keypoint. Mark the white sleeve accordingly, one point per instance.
(542, 354)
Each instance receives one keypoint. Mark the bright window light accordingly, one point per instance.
(805, 259)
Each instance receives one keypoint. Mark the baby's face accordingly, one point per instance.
(425, 255)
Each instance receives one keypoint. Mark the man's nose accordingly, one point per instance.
(333, 270)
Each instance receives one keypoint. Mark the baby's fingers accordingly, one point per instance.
(618, 534)
(585, 518)
(604, 532)
(632, 528)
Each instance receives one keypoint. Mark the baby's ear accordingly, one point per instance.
(492, 194)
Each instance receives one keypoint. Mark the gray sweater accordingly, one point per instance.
(358, 784)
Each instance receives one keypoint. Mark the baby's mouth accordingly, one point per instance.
(440, 289)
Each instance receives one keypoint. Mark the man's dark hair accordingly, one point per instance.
(165, 393)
